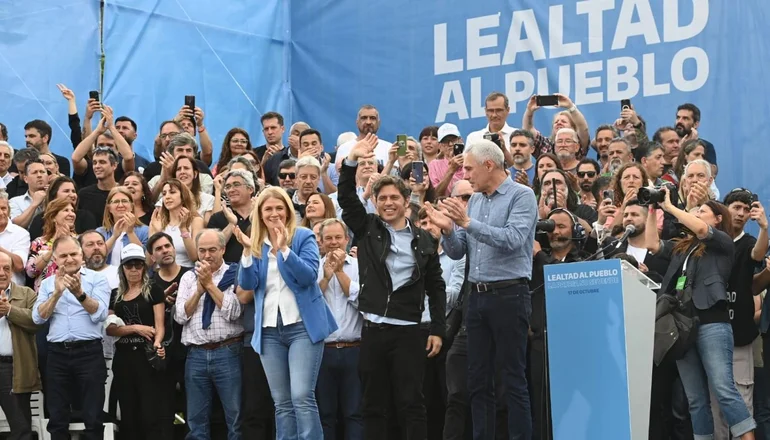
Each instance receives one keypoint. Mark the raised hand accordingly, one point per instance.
(456, 211)
(68, 94)
(279, 234)
(439, 218)
(243, 239)
(564, 101)
(167, 164)
(364, 147)
(108, 115)
(229, 215)
(93, 106)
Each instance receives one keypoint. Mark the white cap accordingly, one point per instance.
(447, 130)
(131, 251)
(345, 137)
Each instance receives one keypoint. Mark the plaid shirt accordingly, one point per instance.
(225, 322)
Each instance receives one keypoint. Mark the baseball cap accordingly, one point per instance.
(447, 130)
(131, 251)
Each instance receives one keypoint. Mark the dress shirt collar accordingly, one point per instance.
(504, 187)
(506, 128)
(392, 229)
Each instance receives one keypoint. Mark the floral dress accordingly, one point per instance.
(37, 247)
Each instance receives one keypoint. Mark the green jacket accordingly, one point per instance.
(26, 377)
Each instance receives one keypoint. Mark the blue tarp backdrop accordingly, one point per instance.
(418, 62)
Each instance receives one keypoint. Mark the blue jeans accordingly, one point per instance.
(205, 370)
(340, 387)
(711, 361)
(497, 324)
(291, 363)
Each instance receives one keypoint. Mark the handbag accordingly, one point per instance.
(676, 319)
(156, 362)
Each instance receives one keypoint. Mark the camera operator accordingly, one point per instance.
(708, 361)
(558, 240)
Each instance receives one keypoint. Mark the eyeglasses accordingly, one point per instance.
(169, 135)
(134, 264)
(234, 185)
(286, 175)
(120, 202)
(464, 197)
(239, 141)
(589, 174)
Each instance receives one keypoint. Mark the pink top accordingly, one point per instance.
(437, 169)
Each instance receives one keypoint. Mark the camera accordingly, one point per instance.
(547, 225)
(655, 195)
(495, 138)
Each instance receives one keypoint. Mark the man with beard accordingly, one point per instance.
(368, 121)
(95, 256)
(587, 174)
(127, 128)
(566, 147)
(619, 154)
(522, 148)
(687, 123)
(562, 246)
(37, 134)
(669, 138)
(604, 135)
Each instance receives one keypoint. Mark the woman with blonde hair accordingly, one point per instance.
(279, 272)
(177, 217)
(58, 221)
(120, 226)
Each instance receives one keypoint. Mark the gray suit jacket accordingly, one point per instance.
(711, 272)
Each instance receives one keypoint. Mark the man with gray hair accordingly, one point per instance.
(619, 153)
(567, 146)
(496, 233)
(367, 121)
(181, 145)
(240, 188)
(210, 315)
(14, 240)
(496, 109)
(308, 179)
(6, 158)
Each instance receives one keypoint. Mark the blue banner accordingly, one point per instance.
(428, 62)
(587, 351)
(229, 55)
(43, 43)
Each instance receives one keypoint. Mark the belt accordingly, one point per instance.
(343, 344)
(67, 345)
(383, 325)
(488, 287)
(6, 359)
(215, 345)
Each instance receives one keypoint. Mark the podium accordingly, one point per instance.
(601, 324)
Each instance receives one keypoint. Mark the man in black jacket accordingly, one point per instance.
(398, 266)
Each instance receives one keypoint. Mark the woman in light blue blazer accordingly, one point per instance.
(279, 270)
(120, 226)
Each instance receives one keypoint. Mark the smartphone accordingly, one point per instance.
(754, 198)
(401, 141)
(608, 194)
(547, 100)
(189, 100)
(458, 149)
(494, 137)
(624, 104)
(94, 94)
(417, 171)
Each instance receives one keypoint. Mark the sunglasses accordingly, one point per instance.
(285, 175)
(583, 174)
(134, 264)
(464, 197)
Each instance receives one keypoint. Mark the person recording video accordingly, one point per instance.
(559, 239)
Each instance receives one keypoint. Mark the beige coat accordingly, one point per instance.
(26, 377)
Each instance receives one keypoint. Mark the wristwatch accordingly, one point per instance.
(81, 298)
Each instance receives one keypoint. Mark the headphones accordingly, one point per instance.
(578, 231)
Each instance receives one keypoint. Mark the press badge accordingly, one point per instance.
(680, 282)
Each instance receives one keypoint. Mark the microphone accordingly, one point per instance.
(630, 229)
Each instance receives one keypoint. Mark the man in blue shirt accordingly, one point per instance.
(75, 354)
(497, 234)
(522, 149)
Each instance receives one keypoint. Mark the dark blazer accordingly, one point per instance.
(712, 270)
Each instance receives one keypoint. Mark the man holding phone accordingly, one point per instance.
(444, 173)
(496, 109)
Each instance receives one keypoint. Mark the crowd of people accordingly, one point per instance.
(369, 290)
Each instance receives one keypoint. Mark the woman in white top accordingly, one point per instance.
(279, 272)
(185, 170)
(177, 218)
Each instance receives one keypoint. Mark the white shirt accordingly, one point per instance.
(344, 308)
(19, 204)
(182, 258)
(5, 180)
(117, 248)
(6, 343)
(16, 239)
(278, 297)
(111, 273)
(380, 151)
(638, 253)
(479, 135)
